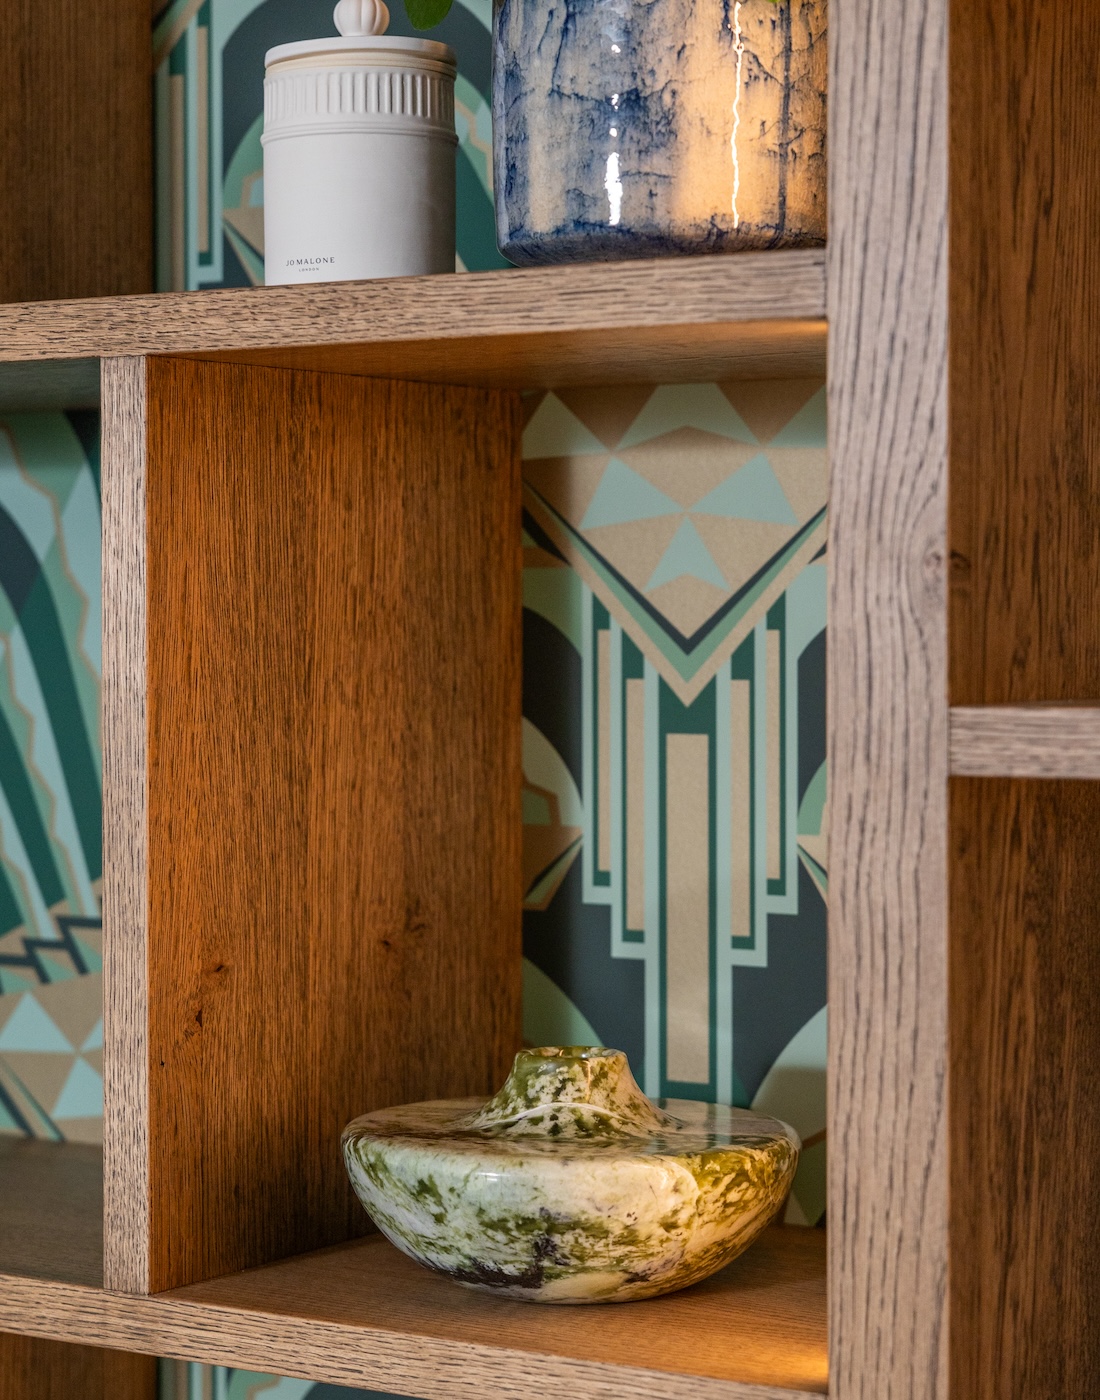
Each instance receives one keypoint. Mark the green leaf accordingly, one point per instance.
(424, 13)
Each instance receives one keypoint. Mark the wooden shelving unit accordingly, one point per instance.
(356, 815)
(228, 418)
(683, 320)
(361, 1314)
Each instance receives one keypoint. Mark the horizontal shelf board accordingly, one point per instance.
(1025, 741)
(51, 1211)
(362, 1314)
(746, 315)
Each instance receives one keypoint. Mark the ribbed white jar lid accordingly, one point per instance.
(364, 48)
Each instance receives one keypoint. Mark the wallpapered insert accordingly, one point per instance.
(674, 680)
(673, 753)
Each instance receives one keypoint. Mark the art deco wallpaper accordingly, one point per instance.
(51, 1029)
(674, 681)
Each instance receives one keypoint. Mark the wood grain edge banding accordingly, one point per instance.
(125, 810)
(1024, 741)
(887, 700)
(434, 1368)
(582, 299)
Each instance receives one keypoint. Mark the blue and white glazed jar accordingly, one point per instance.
(638, 128)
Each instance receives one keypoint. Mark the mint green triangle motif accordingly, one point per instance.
(624, 496)
(30, 1028)
(686, 663)
(751, 493)
(673, 406)
(686, 554)
(555, 432)
(82, 1093)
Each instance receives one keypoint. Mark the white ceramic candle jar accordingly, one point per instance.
(359, 154)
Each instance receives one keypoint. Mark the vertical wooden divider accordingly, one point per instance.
(331, 812)
(1025, 353)
(125, 823)
(32, 1368)
(887, 700)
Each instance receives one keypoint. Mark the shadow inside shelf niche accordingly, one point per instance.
(37, 385)
(51, 1210)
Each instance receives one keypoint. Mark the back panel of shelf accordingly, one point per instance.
(1025, 358)
(47, 1370)
(76, 162)
(1025, 1060)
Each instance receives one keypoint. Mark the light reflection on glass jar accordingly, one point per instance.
(636, 128)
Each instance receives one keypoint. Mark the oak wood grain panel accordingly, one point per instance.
(887, 702)
(672, 318)
(1025, 741)
(1025, 355)
(1025, 1063)
(34, 1369)
(51, 1210)
(125, 819)
(334, 786)
(362, 1314)
(76, 140)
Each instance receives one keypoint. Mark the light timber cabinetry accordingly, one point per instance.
(357, 807)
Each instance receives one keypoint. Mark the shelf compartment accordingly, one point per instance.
(1025, 741)
(752, 315)
(51, 1210)
(362, 1314)
(312, 779)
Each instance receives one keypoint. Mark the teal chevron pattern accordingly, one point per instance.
(51, 1030)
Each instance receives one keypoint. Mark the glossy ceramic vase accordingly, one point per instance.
(639, 128)
(570, 1186)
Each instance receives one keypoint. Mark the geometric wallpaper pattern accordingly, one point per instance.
(675, 791)
(674, 740)
(673, 749)
(51, 1028)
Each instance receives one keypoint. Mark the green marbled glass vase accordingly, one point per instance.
(570, 1186)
